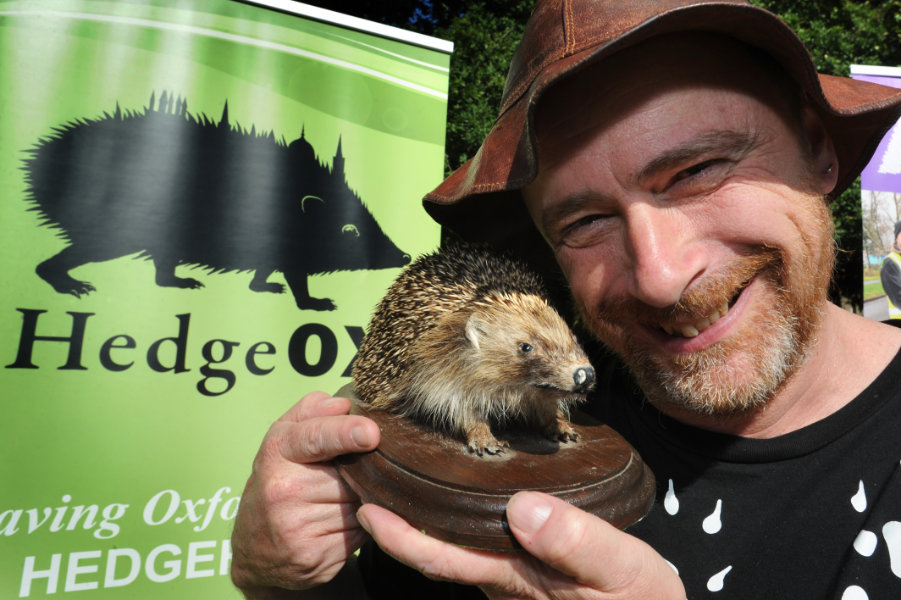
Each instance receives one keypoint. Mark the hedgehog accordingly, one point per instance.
(465, 338)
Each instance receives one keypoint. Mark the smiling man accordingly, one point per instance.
(674, 160)
(686, 209)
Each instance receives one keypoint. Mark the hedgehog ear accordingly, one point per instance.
(474, 330)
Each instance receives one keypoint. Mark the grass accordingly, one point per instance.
(872, 288)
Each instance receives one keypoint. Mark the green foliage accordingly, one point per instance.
(847, 288)
(484, 40)
(840, 33)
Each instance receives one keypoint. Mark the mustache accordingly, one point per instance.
(702, 298)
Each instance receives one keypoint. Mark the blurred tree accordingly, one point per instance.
(485, 32)
(484, 40)
(840, 33)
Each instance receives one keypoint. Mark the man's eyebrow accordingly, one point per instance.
(567, 206)
(724, 144)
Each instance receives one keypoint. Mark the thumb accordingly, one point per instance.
(590, 550)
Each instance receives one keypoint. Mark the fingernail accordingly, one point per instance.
(329, 402)
(360, 436)
(528, 512)
(364, 523)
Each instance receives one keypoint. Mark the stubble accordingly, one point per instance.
(744, 371)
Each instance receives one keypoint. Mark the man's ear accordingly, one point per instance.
(824, 160)
(474, 330)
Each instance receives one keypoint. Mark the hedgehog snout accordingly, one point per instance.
(583, 377)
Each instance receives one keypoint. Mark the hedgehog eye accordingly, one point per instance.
(525, 347)
(349, 228)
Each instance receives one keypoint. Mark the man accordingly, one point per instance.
(890, 275)
(675, 159)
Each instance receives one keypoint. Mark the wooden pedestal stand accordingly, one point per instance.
(437, 485)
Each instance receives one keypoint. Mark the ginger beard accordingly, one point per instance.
(743, 371)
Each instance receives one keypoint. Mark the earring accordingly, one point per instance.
(829, 169)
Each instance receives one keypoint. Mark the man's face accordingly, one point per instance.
(685, 209)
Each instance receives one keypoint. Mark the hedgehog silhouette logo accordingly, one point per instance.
(181, 189)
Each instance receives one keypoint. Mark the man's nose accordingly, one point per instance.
(664, 251)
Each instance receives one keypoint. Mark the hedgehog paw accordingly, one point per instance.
(483, 446)
(65, 284)
(184, 283)
(563, 432)
(78, 288)
(188, 283)
(316, 304)
(569, 435)
(274, 288)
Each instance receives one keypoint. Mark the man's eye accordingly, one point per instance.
(707, 167)
(585, 231)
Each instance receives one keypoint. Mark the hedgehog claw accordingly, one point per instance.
(564, 434)
(568, 436)
(80, 288)
(562, 430)
(490, 447)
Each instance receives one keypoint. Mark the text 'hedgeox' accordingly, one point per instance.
(465, 338)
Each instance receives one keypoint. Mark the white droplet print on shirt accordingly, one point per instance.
(670, 502)
(712, 524)
(672, 566)
(715, 583)
(891, 532)
(854, 592)
(866, 543)
(859, 500)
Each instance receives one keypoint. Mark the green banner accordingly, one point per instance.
(202, 202)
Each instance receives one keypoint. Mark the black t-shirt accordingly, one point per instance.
(813, 514)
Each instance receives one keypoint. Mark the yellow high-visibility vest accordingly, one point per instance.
(893, 311)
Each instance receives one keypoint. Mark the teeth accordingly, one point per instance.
(719, 313)
(690, 330)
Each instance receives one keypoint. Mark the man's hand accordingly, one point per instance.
(296, 526)
(571, 554)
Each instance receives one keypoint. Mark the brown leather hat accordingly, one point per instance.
(480, 200)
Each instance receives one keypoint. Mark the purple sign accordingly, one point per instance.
(883, 172)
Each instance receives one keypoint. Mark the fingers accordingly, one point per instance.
(296, 523)
(572, 554)
(316, 404)
(434, 558)
(295, 557)
(318, 429)
(590, 550)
